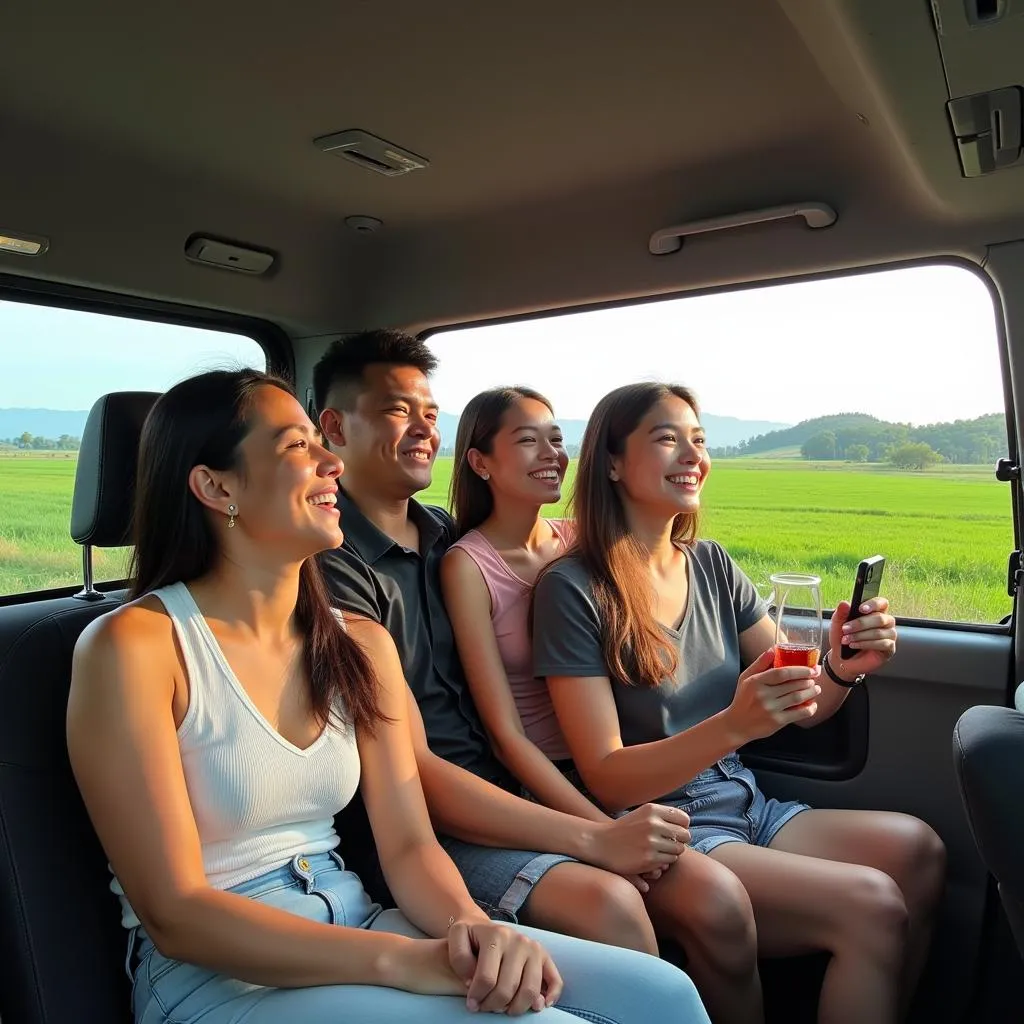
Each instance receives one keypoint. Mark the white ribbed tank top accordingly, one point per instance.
(258, 800)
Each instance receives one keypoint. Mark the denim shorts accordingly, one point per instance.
(499, 880)
(316, 887)
(726, 805)
(605, 984)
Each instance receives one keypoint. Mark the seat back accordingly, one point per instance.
(988, 750)
(62, 948)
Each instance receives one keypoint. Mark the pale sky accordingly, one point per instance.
(916, 344)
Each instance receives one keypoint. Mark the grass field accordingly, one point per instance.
(946, 534)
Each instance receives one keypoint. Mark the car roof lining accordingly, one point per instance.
(559, 138)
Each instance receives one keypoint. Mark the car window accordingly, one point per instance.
(54, 363)
(846, 417)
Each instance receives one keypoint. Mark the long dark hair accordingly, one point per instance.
(471, 498)
(203, 421)
(635, 647)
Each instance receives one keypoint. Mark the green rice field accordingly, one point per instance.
(945, 533)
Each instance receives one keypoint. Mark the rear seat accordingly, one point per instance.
(61, 943)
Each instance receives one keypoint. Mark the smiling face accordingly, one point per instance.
(665, 462)
(286, 490)
(389, 439)
(527, 461)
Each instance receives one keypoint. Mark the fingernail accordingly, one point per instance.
(472, 1005)
(847, 628)
(865, 607)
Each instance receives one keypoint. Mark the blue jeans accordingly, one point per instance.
(605, 984)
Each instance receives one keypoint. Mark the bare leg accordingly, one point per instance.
(588, 903)
(905, 848)
(703, 906)
(803, 904)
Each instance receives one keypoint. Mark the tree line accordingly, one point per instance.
(34, 442)
(856, 437)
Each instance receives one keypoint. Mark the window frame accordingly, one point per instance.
(271, 338)
(1005, 626)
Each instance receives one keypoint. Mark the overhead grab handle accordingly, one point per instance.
(817, 215)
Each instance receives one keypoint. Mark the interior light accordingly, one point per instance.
(23, 245)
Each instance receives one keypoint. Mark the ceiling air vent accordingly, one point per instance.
(371, 152)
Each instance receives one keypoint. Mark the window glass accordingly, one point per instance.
(54, 363)
(846, 417)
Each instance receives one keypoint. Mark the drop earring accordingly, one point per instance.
(485, 476)
(232, 509)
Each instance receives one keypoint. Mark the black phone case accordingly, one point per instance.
(855, 602)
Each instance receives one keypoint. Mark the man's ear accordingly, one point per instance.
(332, 426)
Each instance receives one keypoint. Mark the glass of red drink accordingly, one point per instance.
(797, 600)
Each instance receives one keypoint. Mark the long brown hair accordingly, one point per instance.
(203, 421)
(635, 647)
(471, 498)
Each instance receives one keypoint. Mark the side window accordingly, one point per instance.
(846, 417)
(54, 363)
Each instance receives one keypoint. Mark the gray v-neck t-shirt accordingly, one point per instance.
(722, 603)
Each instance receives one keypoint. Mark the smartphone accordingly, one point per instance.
(865, 587)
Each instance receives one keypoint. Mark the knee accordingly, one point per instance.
(927, 862)
(618, 914)
(669, 994)
(872, 914)
(717, 924)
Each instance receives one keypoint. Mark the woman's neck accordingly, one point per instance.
(515, 525)
(258, 599)
(654, 533)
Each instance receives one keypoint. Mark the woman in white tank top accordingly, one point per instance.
(219, 720)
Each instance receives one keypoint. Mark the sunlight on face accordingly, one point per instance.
(527, 461)
(287, 501)
(391, 437)
(665, 463)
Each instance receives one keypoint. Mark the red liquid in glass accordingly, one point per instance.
(795, 654)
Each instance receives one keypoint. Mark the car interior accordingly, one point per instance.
(299, 174)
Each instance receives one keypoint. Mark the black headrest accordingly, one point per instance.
(105, 478)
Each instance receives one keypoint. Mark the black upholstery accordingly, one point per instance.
(105, 475)
(61, 944)
(988, 749)
(62, 947)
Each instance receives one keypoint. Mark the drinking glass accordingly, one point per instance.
(798, 629)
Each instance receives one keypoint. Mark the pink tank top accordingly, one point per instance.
(510, 605)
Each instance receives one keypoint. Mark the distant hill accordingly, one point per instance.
(759, 443)
(722, 430)
(859, 437)
(42, 422)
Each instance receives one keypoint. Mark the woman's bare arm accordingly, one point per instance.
(124, 752)
(425, 883)
(468, 603)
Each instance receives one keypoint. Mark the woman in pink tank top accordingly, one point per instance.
(509, 463)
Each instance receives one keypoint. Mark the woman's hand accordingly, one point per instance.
(502, 970)
(872, 636)
(769, 698)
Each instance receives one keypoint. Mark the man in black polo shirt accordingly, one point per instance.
(519, 859)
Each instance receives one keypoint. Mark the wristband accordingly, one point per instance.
(831, 673)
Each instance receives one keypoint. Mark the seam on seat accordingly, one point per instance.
(22, 917)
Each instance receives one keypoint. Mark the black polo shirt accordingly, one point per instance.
(372, 575)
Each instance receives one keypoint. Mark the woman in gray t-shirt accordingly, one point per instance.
(643, 632)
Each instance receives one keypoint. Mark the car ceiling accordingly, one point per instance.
(559, 135)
